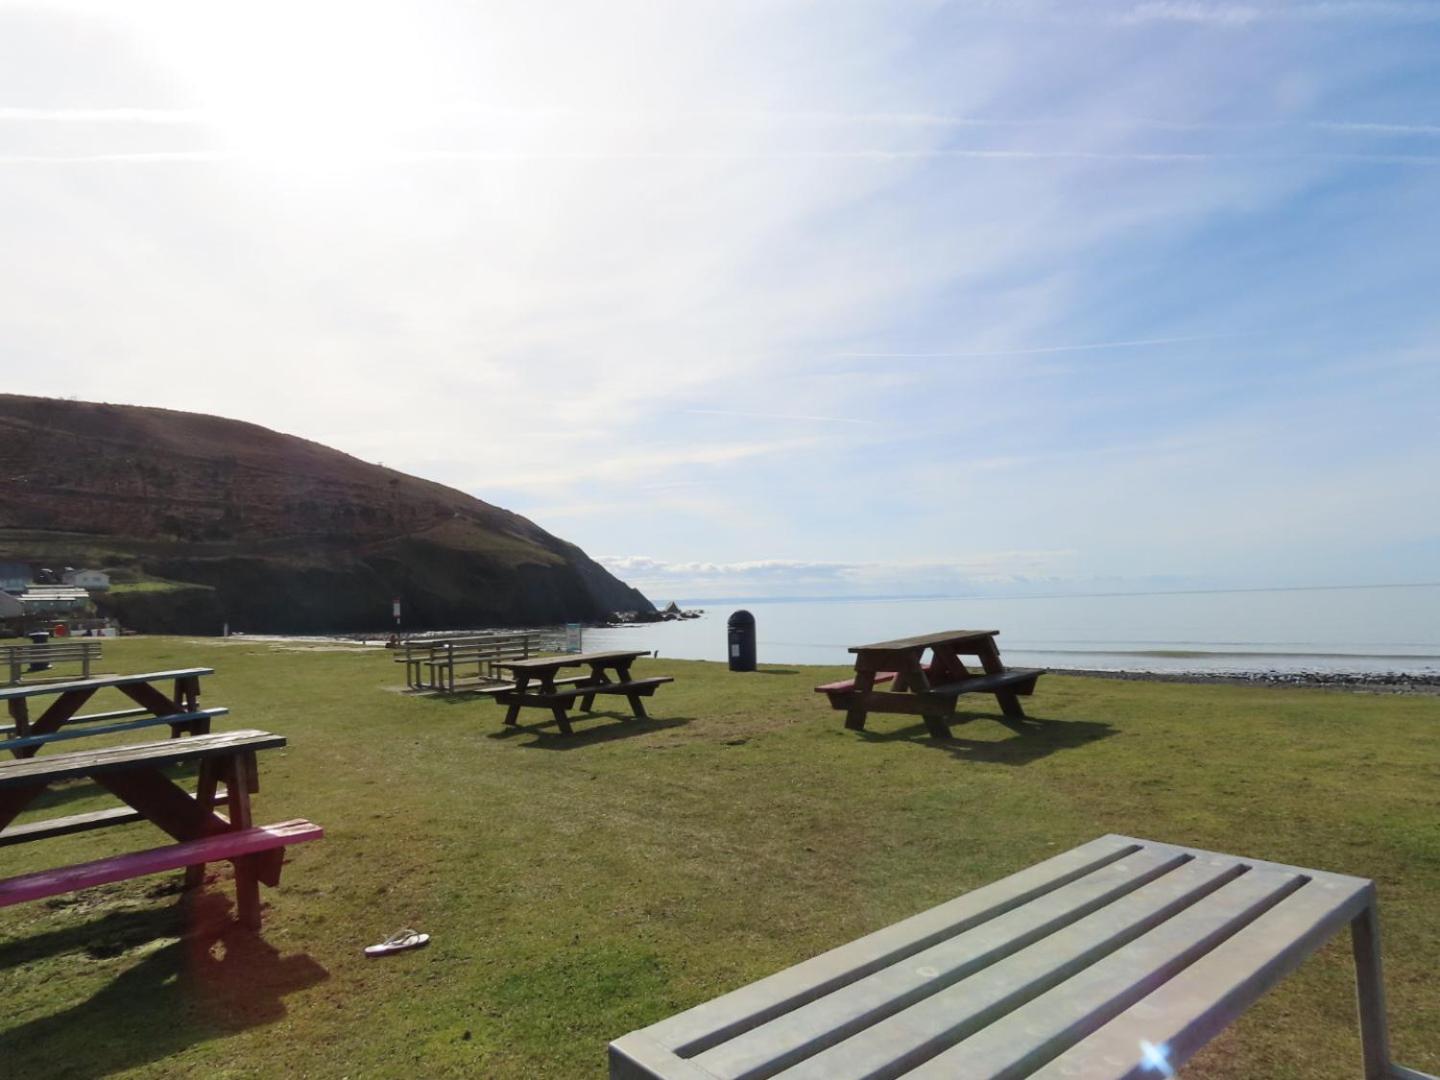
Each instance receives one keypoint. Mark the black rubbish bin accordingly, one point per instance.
(39, 637)
(742, 641)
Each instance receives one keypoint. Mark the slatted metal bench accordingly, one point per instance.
(17, 659)
(1117, 960)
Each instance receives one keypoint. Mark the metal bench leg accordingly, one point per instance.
(1370, 999)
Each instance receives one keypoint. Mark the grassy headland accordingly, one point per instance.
(579, 888)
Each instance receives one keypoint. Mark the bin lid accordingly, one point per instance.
(741, 618)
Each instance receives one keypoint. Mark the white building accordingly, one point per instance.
(86, 579)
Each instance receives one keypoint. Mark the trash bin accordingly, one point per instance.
(742, 641)
(39, 637)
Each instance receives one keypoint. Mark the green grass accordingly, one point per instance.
(154, 585)
(579, 888)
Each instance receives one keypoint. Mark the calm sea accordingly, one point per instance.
(1383, 629)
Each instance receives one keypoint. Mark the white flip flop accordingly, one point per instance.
(398, 942)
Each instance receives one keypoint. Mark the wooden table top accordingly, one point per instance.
(923, 641)
(542, 663)
(25, 771)
(39, 689)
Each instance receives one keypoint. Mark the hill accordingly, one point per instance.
(271, 532)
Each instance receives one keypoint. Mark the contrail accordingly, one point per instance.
(1138, 343)
(777, 416)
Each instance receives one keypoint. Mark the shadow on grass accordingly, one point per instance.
(1032, 739)
(549, 737)
(215, 980)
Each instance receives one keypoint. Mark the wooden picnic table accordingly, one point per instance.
(135, 774)
(1116, 960)
(558, 695)
(929, 690)
(151, 699)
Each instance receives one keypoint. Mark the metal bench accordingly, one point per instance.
(1117, 960)
(39, 656)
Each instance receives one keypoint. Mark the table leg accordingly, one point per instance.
(239, 774)
(855, 715)
(1008, 700)
(161, 800)
(53, 718)
(20, 716)
(512, 714)
(14, 799)
(558, 711)
(209, 781)
(147, 697)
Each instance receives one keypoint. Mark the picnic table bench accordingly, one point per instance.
(929, 690)
(135, 774)
(443, 663)
(559, 695)
(177, 705)
(1117, 960)
(17, 659)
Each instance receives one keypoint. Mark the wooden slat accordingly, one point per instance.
(923, 641)
(804, 1032)
(8, 692)
(540, 663)
(223, 846)
(988, 684)
(28, 771)
(76, 823)
(173, 719)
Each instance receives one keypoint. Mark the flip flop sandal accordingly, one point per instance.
(398, 942)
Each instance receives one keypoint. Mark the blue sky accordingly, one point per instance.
(773, 298)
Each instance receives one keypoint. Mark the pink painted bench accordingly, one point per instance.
(260, 844)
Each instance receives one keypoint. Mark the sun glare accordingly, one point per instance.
(307, 88)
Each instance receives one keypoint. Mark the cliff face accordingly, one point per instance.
(288, 535)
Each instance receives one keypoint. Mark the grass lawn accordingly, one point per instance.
(579, 888)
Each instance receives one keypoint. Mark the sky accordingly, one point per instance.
(772, 298)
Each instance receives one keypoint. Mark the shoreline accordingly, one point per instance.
(1387, 682)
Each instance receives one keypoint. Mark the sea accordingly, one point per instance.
(1391, 629)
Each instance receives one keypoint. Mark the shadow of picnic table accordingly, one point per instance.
(1031, 739)
(547, 736)
(212, 980)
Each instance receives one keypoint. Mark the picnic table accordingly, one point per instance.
(135, 774)
(176, 704)
(537, 685)
(929, 690)
(1117, 960)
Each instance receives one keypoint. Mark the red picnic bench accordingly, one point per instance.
(929, 690)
